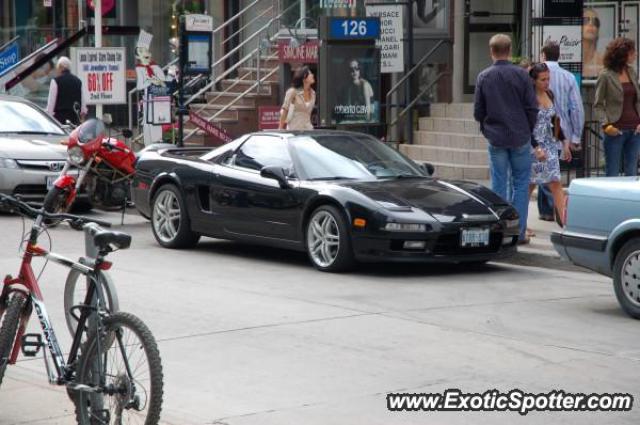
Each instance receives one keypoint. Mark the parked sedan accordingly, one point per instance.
(31, 156)
(603, 233)
(340, 196)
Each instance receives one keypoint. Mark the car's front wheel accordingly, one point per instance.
(328, 241)
(626, 277)
(170, 220)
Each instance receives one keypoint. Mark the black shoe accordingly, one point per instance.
(546, 217)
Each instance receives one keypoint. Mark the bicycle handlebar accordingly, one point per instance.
(27, 210)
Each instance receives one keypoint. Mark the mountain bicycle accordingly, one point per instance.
(113, 373)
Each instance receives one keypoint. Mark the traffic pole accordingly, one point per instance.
(97, 13)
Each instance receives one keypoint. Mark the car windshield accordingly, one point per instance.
(340, 156)
(22, 118)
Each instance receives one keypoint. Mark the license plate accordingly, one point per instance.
(474, 237)
(50, 180)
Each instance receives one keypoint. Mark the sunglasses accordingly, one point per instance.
(540, 67)
(593, 20)
(354, 68)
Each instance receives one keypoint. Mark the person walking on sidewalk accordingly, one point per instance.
(617, 107)
(545, 167)
(65, 102)
(569, 109)
(506, 107)
(299, 102)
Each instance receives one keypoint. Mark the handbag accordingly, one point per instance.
(555, 121)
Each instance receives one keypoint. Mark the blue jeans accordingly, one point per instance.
(545, 200)
(512, 166)
(624, 146)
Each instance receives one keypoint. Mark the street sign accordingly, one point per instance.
(269, 117)
(305, 53)
(390, 41)
(353, 28)
(9, 56)
(103, 74)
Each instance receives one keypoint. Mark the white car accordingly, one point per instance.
(31, 155)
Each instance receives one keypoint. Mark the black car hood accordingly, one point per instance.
(437, 198)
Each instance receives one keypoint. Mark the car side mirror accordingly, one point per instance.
(107, 119)
(428, 168)
(276, 173)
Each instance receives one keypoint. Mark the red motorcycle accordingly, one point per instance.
(106, 166)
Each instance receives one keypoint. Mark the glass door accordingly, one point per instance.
(483, 19)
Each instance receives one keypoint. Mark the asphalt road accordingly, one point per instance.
(252, 335)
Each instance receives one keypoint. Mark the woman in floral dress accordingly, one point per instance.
(545, 165)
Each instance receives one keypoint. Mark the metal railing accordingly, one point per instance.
(404, 80)
(268, 31)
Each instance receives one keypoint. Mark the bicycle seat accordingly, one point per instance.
(108, 241)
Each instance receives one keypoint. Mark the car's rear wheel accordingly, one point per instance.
(328, 241)
(626, 277)
(170, 221)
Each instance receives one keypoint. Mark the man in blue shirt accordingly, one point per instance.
(568, 104)
(506, 108)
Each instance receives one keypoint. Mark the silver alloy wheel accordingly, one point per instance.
(630, 278)
(166, 216)
(323, 238)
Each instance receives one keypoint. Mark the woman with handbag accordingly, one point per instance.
(299, 102)
(617, 107)
(547, 141)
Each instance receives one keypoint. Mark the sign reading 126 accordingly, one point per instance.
(350, 29)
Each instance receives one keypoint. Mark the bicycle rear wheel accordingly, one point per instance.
(9, 328)
(75, 291)
(131, 370)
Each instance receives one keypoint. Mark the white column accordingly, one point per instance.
(98, 39)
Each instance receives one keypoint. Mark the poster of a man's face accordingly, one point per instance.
(598, 29)
(355, 72)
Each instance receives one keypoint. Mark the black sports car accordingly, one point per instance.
(341, 196)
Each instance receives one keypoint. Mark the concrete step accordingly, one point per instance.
(240, 86)
(251, 73)
(208, 111)
(448, 170)
(449, 140)
(449, 125)
(450, 155)
(224, 98)
(452, 110)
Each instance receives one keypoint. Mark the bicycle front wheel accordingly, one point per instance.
(124, 371)
(9, 328)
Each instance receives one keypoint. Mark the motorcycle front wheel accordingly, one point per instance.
(56, 200)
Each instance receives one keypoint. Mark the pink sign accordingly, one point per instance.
(268, 117)
(210, 128)
(305, 53)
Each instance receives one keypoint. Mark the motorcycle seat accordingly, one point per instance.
(108, 241)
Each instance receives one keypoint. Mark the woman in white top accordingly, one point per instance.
(299, 101)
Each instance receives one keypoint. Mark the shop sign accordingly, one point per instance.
(569, 37)
(305, 53)
(210, 128)
(103, 74)
(390, 41)
(9, 57)
(196, 22)
(329, 4)
(269, 117)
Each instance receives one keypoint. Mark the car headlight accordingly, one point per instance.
(76, 156)
(405, 227)
(8, 163)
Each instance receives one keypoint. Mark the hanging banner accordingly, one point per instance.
(9, 56)
(390, 41)
(103, 74)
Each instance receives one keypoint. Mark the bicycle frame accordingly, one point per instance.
(27, 283)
